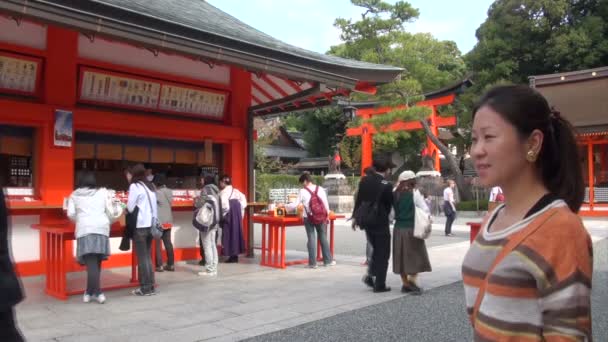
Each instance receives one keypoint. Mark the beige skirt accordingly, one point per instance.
(409, 253)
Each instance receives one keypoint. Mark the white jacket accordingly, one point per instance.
(87, 207)
(138, 197)
(229, 193)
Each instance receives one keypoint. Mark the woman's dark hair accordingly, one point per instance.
(527, 110)
(226, 180)
(209, 179)
(138, 173)
(368, 171)
(305, 177)
(160, 180)
(86, 179)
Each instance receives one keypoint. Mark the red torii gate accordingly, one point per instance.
(367, 130)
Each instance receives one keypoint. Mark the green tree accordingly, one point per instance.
(322, 128)
(379, 37)
(521, 38)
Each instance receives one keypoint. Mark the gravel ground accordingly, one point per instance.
(437, 315)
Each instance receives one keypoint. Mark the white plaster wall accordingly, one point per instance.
(24, 34)
(123, 54)
(24, 239)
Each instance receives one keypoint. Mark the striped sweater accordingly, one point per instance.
(539, 291)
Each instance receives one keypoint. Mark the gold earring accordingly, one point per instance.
(531, 156)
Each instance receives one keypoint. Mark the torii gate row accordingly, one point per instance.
(367, 130)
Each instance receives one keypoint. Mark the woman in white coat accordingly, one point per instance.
(91, 209)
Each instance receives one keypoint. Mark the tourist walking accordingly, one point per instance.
(410, 256)
(233, 203)
(372, 208)
(164, 196)
(142, 199)
(449, 207)
(91, 208)
(529, 272)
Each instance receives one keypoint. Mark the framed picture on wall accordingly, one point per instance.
(63, 134)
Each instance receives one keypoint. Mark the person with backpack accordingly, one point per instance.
(233, 203)
(165, 217)
(209, 201)
(371, 213)
(313, 199)
(142, 203)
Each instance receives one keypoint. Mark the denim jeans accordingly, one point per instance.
(210, 247)
(93, 263)
(142, 239)
(321, 230)
(166, 238)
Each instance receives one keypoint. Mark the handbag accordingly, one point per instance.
(156, 228)
(422, 224)
(114, 209)
(367, 213)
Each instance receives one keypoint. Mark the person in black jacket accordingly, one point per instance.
(10, 288)
(374, 187)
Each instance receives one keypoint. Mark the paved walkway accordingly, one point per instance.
(245, 300)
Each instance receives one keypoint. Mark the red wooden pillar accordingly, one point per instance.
(591, 175)
(431, 146)
(236, 162)
(55, 179)
(367, 145)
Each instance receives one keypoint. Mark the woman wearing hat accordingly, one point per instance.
(409, 253)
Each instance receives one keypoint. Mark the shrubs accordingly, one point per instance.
(472, 205)
(264, 182)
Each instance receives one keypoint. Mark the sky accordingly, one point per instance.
(309, 23)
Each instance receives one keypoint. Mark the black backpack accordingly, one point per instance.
(368, 214)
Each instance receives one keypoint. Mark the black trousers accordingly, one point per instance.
(166, 238)
(450, 216)
(93, 263)
(380, 239)
(8, 327)
(142, 239)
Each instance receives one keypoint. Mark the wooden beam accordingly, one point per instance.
(403, 126)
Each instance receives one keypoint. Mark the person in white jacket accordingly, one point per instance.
(143, 197)
(233, 243)
(88, 208)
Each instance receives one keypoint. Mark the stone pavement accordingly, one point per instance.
(245, 300)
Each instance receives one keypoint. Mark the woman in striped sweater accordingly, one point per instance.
(527, 276)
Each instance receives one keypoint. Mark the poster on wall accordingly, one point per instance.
(18, 74)
(63, 133)
(101, 87)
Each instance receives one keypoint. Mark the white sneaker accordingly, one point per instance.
(101, 298)
(207, 274)
(313, 266)
(86, 298)
(333, 263)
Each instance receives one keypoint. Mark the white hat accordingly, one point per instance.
(406, 175)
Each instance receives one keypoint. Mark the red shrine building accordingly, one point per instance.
(100, 85)
(580, 97)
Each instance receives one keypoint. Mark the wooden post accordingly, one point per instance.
(591, 175)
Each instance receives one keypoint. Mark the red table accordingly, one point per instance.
(273, 239)
(57, 255)
(475, 227)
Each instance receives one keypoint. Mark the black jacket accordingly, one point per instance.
(10, 287)
(375, 187)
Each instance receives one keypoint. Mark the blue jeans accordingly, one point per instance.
(312, 242)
